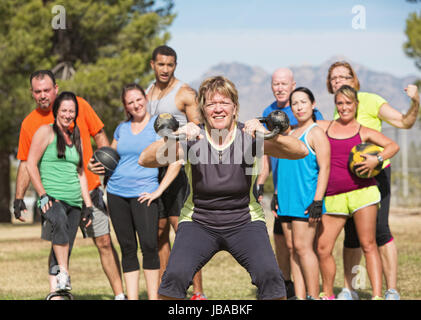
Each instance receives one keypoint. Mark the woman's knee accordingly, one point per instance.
(301, 248)
(129, 260)
(368, 245)
(323, 250)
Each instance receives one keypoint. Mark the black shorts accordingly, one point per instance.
(249, 244)
(383, 234)
(172, 200)
(290, 219)
(277, 226)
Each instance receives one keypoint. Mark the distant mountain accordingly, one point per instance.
(253, 84)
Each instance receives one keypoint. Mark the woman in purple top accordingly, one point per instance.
(350, 196)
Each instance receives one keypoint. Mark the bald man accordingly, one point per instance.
(283, 84)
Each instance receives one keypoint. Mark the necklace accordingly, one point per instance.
(155, 103)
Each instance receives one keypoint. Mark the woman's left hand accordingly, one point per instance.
(253, 125)
(368, 165)
(146, 196)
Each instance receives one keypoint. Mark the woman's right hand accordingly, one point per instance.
(45, 202)
(146, 196)
(96, 167)
(191, 130)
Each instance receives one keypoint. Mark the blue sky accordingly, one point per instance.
(276, 33)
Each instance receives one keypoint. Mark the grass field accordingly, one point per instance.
(23, 265)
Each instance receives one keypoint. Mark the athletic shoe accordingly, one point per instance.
(347, 294)
(324, 296)
(63, 281)
(199, 296)
(377, 298)
(289, 286)
(392, 294)
(310, 298)
(120, 296)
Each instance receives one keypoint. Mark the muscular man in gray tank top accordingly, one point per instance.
(170, 95)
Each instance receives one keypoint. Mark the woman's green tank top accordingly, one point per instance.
(59, 176)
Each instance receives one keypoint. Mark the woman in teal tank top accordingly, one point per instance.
(55, 167)
(301, 199)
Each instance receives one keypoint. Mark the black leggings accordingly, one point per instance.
(60, 224)
(129, 216)
(383, 234)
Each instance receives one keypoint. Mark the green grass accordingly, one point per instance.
(23, 266)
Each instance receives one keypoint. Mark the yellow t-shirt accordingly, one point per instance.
(367, 113)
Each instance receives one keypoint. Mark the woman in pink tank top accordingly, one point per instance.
(347, 195)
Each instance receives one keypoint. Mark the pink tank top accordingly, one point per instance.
(341, 179)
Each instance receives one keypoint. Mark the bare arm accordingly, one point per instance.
(321, 146)
(264, 173)
(22, 180)
(396, 118)
(22, 184)
(285, 147)
(84, 188)
(40, 141)
(280, 146)
(165, 151)
(188, 99)
(101, 139)
(378, 138)
(161, 153)
(170, 175)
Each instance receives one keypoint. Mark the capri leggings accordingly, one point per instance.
(129, 217)
(60, 224)
(383, 234)
(249, 244)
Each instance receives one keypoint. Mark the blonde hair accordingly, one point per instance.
(349, 93)
(351, 71)
(217, 84)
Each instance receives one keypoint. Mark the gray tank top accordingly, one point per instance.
(167, 104)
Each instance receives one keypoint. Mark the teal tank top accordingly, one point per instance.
(59, 176)
(297, 182)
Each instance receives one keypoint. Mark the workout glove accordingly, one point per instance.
(315, 209)
(44, 199)
(274, 203)
(87, 214)
(260, 190)
(18, 206)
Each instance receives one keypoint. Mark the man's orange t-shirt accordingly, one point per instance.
(89, 125)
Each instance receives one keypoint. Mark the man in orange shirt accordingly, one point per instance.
(44, 91)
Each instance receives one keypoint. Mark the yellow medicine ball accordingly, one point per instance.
(355, 158)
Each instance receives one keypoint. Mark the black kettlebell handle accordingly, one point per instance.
(165, 125)
(277, 122)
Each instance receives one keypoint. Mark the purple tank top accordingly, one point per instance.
(341, 179)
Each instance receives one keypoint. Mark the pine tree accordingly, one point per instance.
(94, 48)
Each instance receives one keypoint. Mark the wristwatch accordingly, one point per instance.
(380, 159)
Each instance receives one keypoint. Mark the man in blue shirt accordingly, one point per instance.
(283, 84)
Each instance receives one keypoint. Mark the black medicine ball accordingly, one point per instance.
(108, 157)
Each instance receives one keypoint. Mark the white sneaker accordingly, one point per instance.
(347, 294)
(63, 281)
(120, 296)
(392, 294)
